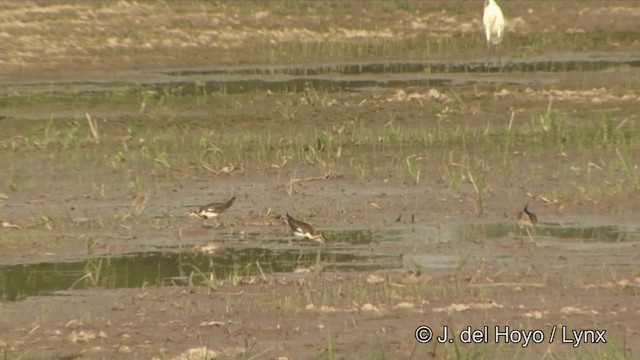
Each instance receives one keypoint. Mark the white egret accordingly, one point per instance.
(493, 22)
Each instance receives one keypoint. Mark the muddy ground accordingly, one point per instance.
(119, 117)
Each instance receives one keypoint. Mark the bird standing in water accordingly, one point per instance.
(526, 217)
(304, 230)
(212, 210)
(493, 21)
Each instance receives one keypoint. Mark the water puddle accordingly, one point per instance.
(347, 250)
(138, 269)
(321, 77)
(589, 245)
(571, 64)
(604, 235)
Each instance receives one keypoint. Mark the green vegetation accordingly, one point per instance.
(413, 167)
(351, 145)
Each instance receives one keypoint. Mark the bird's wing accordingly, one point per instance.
(299, 225)
(293, 224)
(214, 207)
(489, 17)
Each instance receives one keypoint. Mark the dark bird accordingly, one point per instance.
(212, 210)
(304, 230)
(526, 217)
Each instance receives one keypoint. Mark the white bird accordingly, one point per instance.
(493, 22)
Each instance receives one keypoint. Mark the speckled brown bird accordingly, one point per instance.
(526, 217)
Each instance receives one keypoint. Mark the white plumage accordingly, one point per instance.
(493, 22)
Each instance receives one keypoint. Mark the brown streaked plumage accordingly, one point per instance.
(212, 210)
(304, 230)
(526, 217)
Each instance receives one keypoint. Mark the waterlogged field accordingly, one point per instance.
(387, 125)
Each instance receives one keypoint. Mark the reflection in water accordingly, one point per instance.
(576, 237)
(347, 250)
(168, 267)
(583, 65)
(488, 231)
(135, 270)
(327, 78)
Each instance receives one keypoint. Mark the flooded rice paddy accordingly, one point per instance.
(390, 127)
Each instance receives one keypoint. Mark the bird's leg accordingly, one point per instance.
(491, 60)
(520, 227)
(532, 267)
(318, 259)
(207, 224)
(531, 237)
(488, 60)
(299, 256)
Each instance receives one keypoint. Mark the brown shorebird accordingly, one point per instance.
(212, 210)
(526, 217)
(526, 220)
(304, 230)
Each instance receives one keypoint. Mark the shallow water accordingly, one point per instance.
(323, 77)
(347, 250)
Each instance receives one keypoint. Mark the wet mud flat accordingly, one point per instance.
(265, 295)
(413, 152)
(287, 314)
